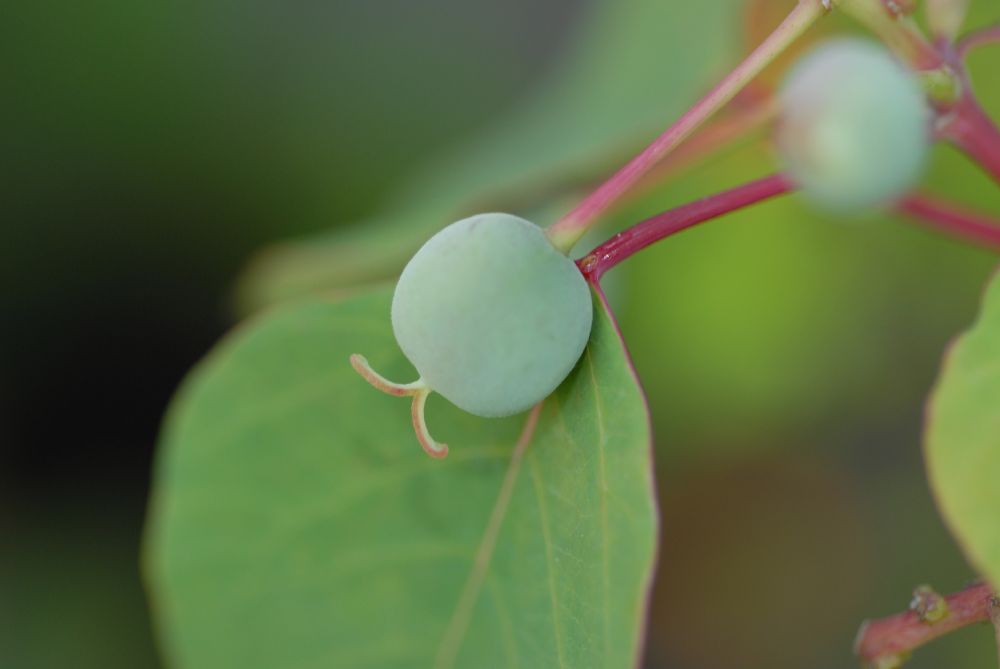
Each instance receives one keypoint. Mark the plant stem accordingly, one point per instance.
(642, 234)
(742, 122)
(990, 35)
(727, 130)
(899, 33)
(568, 230)
(895, 636)
(972, 131)
(953, 219)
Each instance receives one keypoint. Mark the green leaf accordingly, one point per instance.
(634, 67)
(297, 523)
(963, 439)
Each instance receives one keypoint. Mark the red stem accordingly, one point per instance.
(901, 633)
(642, 234)
(982, 37)
(972, 131)
(953, 219)
(571, 226)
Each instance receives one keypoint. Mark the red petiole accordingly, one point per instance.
(962, 122)
(953, 219)
(653, 229)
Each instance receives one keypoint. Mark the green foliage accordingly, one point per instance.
(295, 523)
(614, 90)
(716, 325)
(963, 439)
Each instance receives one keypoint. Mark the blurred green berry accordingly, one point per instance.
(853, 126)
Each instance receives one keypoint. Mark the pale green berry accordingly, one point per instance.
(853, 127)
(492, 316)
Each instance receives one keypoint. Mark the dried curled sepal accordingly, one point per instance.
(418, 390)
(362, 367)
(431, 447)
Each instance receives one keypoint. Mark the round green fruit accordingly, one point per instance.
(853, 130)
(491, 314)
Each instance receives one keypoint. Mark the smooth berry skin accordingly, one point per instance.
(853, 130)
(491, 314)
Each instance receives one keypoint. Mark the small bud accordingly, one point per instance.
(945, 17)
(929, 606)
(942, 85)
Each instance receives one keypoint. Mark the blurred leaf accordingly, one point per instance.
(296, 523)
(637, 64)
(962, 449)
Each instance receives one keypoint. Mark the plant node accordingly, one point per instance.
(929, 606)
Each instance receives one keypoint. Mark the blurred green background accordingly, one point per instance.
(148, 150)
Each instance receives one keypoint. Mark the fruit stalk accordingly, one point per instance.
(653, 229)
(952, 219)
(897, 31)
(982, 37)
(974, 133)
(568, 230)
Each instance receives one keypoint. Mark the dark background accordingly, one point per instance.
(147, 150)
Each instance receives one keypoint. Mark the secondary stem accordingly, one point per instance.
(642, 234)
(568, 230)
(899, 634)
(972, 131)
(899, 33)
(953, 219)
(990, 35)
(722, 133)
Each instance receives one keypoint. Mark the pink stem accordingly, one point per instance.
(901, 633)
(569, 228)
(953, 220)
(642, 234)
(713, 138)
(972, 131)
(990, 35)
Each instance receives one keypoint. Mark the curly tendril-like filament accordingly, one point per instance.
(418, 390)
(361, 366)
(431, 447)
